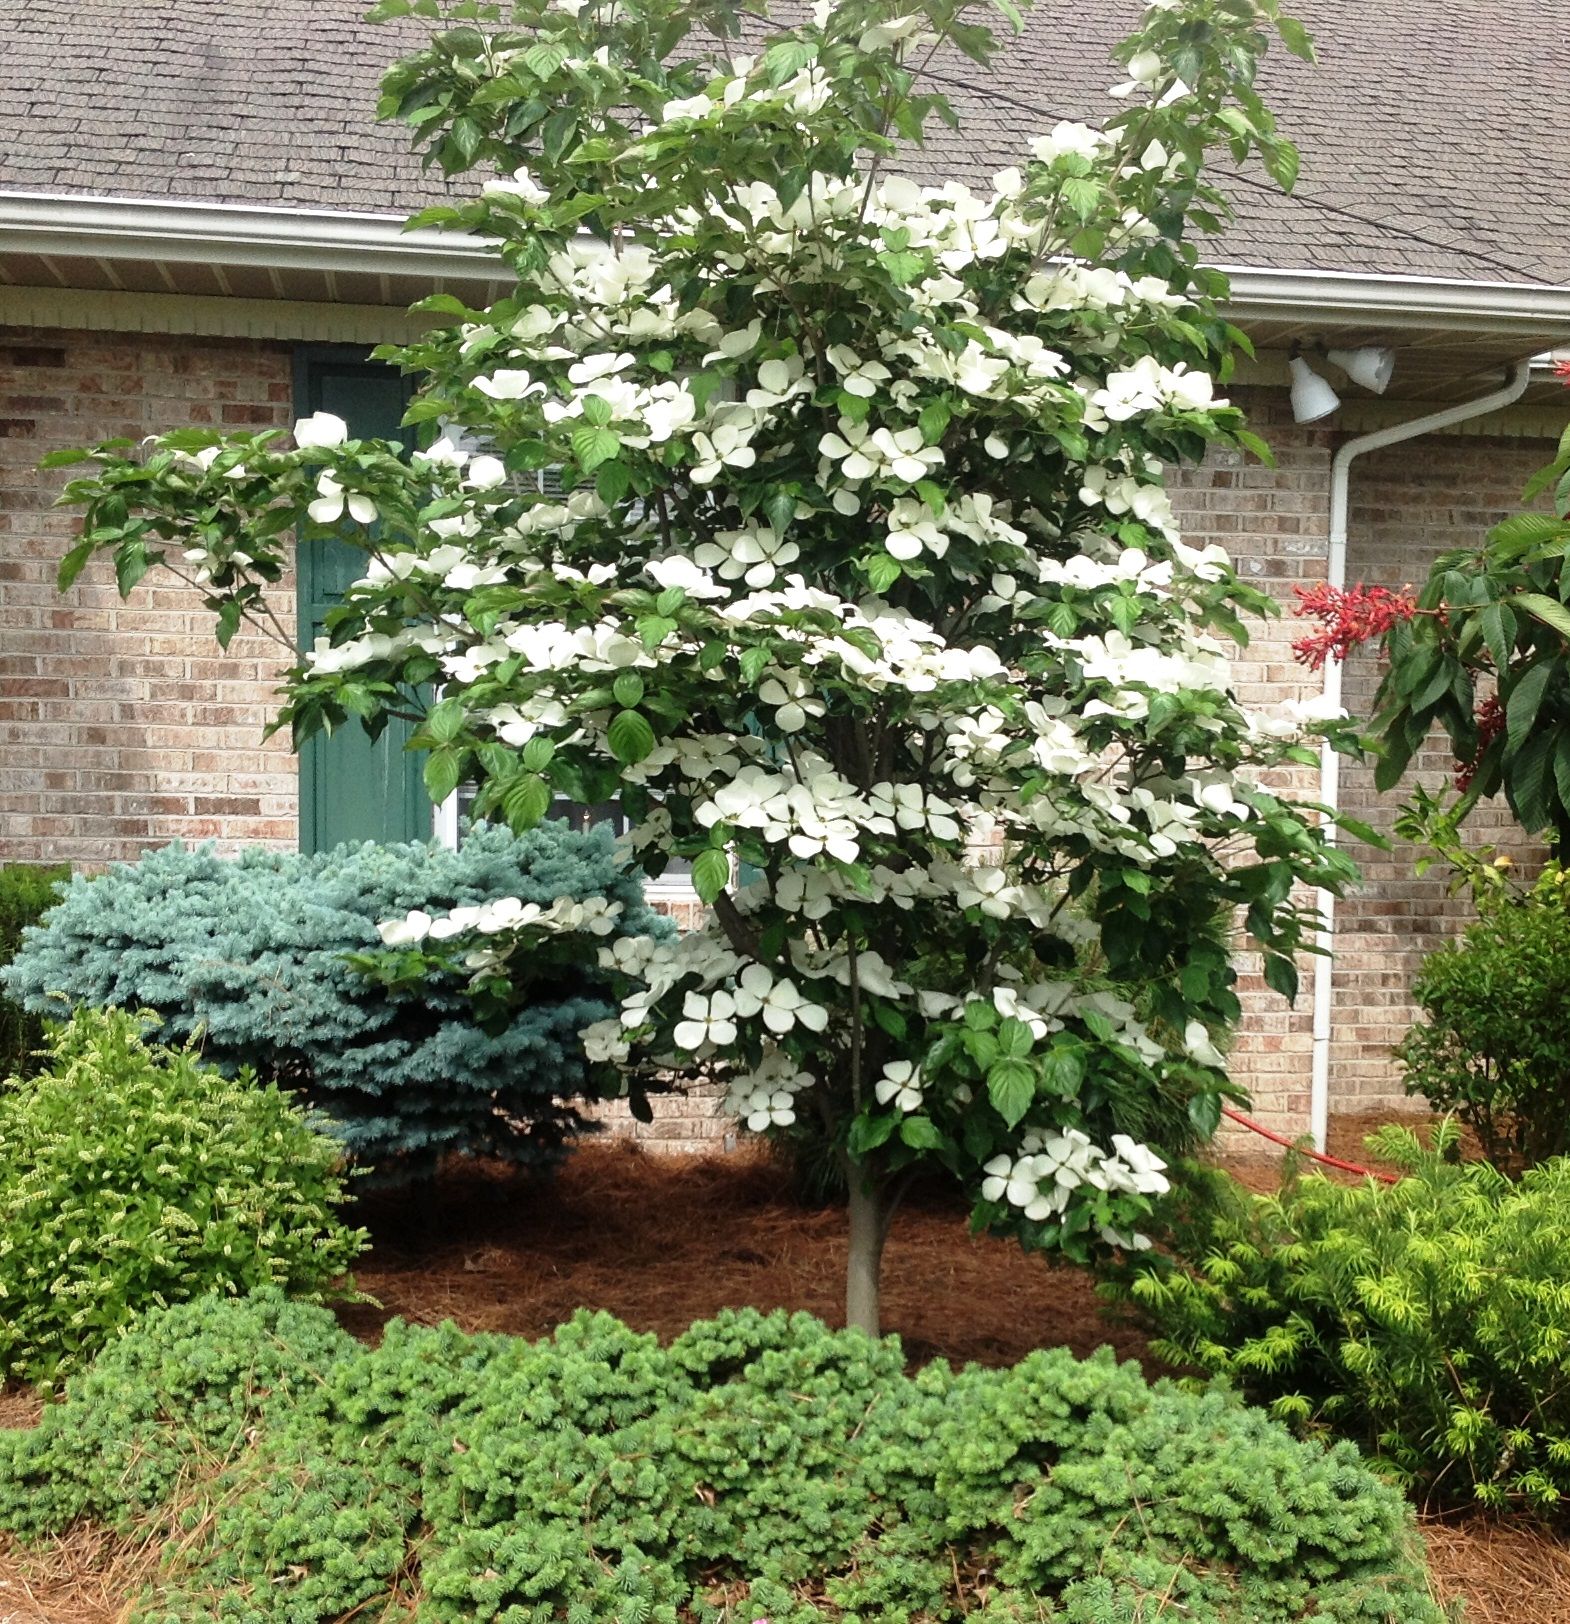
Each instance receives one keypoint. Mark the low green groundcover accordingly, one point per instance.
(760, 1467)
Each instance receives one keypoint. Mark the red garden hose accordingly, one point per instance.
(1313, 1155)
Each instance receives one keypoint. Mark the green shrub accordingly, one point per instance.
(761, 1466)
(1428, 1321)
(132, 1176)
(250, 953)
(26, 891)
(1495, 1049)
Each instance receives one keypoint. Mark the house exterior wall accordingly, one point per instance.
(123, 726)
(1406, 508)
(1275, 522)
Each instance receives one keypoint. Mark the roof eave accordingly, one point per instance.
(115, 228)
(1528, 310)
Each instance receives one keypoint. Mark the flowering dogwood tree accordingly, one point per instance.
(865, 594)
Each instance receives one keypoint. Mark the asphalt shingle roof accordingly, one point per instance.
(1432, 132)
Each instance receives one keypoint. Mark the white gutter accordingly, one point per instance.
(237, 234)
(1505, 308)
(1329, 759)
(342, 240)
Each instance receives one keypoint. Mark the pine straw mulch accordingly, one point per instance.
(661, 1242)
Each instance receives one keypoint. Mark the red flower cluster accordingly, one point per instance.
(1346, 618)
(1562, 372)
(1490, 724)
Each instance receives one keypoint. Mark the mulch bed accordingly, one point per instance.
(663, 1241)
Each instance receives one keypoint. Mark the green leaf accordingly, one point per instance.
(780, 509)
(867, 1133)
(630, 737)
(882, 572)
(1063, 1072)
(1204, 1111)
(444, 722)
(920, 1133)
(934, 421)
(980, 1016)
(229, 616)
(1014, 1038)
(1544, 609)
(1498, 623)
(627, 689)
(654, 629)
(903, 267)
(130, 565)
(1525, 700)
(64, 459)
(1255, 446)
(612, 481)
(592, 446)
(1529, 781)
(1011, 1086)
(443, 772)
(74, 563)
(1296, 38)
(1525, 531)
(710, 874)
(1281, 975)
(525, 802)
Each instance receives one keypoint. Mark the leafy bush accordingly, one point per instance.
(1428, 1321)
(132, 1176)
(26, 891)
(1495, 1049)
(759, 1466)
(251, 954)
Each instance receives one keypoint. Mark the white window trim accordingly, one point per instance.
(667, 887)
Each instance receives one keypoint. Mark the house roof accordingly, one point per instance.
(1426, 152)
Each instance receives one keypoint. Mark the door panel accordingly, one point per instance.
(352, 787)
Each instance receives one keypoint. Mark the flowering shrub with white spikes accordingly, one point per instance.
(866, 595)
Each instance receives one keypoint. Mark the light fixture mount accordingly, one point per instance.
(1312, 398)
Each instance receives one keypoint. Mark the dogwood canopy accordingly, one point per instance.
(862, 589)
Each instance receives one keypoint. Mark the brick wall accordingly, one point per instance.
(123, 725)
(1408, 505)
(1275, 522)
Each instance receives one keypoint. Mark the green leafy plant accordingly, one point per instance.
(253, 956)
(27, 891)
(1495, 1047)
(761, 1466)
(1428, 1321)
(132, 1176)
(1486, 657)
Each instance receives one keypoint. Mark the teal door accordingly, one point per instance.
(351, 787)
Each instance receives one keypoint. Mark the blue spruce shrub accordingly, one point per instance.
(250, 955)
(763, 1466)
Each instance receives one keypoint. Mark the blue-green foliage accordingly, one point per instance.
(761, 1466)
(250, 953)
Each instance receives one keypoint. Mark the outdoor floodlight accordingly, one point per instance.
(1312, 397)
(1370, 366)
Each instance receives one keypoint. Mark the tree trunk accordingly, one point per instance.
(870, 1212)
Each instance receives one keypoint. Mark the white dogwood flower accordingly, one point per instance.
(900, 1086)
(332, 500)
(319, 429)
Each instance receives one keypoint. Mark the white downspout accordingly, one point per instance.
(1329, 759)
